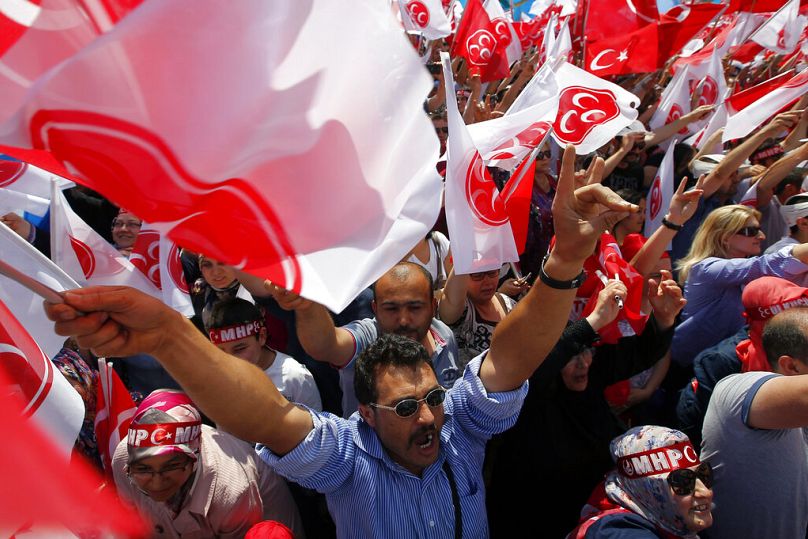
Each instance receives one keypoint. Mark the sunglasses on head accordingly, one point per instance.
(408, 407)
(749, 231)
(483, 274)
(683, 480)
(543, 155)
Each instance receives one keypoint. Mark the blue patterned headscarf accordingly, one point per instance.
(647, 495)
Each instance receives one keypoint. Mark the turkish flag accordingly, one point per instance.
(48, 495)
(608, 18)
(590, 110)
(742, 123)
(476, 41)
(114, 411)
(478, 222)
(676, 32)
(247, 167)
(635, 52)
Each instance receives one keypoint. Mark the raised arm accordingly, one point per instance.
(778, 171)
(122, 321)
(526, 335)
(453, 301)
(661, 134)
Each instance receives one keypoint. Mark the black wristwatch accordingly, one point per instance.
(672, 226)
(560, 285)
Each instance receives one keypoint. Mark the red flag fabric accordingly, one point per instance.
(609, 260)
(258, 194)
(608, 18)
(114, 411)
(635, 52)
(476, 41)
(676, 32)
(740, 100)
(754, 6)
(746, 52)
(46, 494)
(517, 193)
(531, 33)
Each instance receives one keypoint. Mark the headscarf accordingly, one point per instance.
(165, 422)
(640, 482)
(762, 299)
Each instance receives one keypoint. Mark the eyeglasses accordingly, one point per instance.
(683, 480)
(749, 231)
(444, 130)
(484, 274)
(146, 474)
(127, 224)
(543, 155)
(408, 407)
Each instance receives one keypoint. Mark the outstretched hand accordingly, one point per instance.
(684, 203)
(666, 299)
(581, 215)
(117, 320)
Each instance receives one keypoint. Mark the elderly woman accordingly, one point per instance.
(658, 489)
(722, 259)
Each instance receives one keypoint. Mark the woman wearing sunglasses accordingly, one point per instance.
(723, 258)
(540, 224)
(659, 488)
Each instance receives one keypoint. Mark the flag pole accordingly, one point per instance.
(753, 34)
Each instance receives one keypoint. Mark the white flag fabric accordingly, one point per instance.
(781, 32)
(476, 216)
(749, 198)
(660, 194)
(590, 110)
(26, 306)
(86, 256)
(717, 121)
(708, 76)
(30, 207)
(29, 179)
(674, 101)
(742, 123)
(504, 30)
(158, 259)
(425, 17)
(49, 398)
(295, 104)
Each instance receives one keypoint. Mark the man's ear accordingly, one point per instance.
(373, 306)
(786, 366)
(367, 414)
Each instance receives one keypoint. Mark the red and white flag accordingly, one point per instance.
(503, 29)
(26, 306)
(660, 193)
(707, 78)
(608, 18)
(478, 222)
(749, 198)
(717, 121)
(742, 123)
(114, 411)
(674, 101)
(425, 17)
(47, 395)
(476, 41)
(740, 100)
(635, 52)
(86, 256)
(158, 259)
(590, 110)
(26, 178)
(781, 32)
(336, 124)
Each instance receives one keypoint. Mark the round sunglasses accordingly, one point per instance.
(683, 480)
(408, 407)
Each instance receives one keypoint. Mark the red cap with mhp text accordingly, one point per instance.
(659, 460)
(234, 333)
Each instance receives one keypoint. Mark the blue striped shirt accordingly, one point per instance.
(369, 495)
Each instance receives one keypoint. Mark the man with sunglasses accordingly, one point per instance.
(188, 479)
(754, 436)
(383, 475)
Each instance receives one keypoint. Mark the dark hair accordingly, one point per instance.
(786, 335)
(793, 178)
(233, 311)
(630, 195)
(401, 272)
(389, 349)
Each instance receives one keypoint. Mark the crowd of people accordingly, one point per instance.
(519, 401)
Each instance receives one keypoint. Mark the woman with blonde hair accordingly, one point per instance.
(724, 257)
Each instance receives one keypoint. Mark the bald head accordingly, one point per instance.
(408, 274)
(786, 335)
(403, 301)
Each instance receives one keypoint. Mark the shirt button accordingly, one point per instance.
(432, 523)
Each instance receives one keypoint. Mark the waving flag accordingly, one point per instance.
(476, 40)
(740, 100)
(674, 101)
(158, 259)
(246, 167)
(742, 123)
(750, 197)
(26, 306)
(29, 179)
(506, 35)
(114, 411)
(782, 31)
(590, 110)
(607, 18)
(660, 194)
(635, 52)
(475, 212)
(46, 394)
(425, 17)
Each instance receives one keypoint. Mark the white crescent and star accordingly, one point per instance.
(622, 56)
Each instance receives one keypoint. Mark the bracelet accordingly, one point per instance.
(560, 285)
(672, 226)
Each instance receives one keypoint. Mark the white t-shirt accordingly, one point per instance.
(294, 381)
